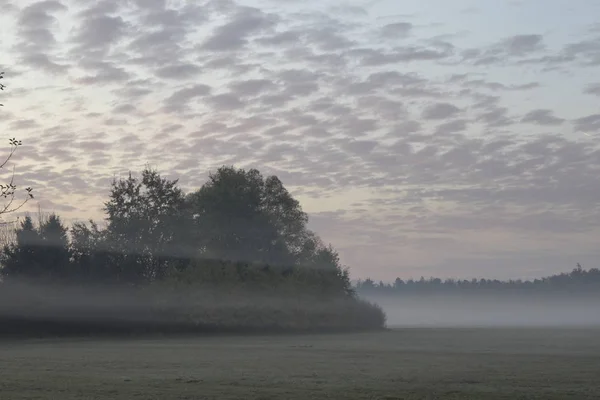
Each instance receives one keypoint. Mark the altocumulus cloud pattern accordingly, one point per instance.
(417, 136)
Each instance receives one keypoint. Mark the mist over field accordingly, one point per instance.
(489, 311)
(31, 309)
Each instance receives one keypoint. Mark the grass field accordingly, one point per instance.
(398, 364)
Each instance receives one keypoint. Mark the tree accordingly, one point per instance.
(240, 216)
(90, 254)
(40, 253)
(54, 251)
(146, 226)
(19, 259)
(8, 190)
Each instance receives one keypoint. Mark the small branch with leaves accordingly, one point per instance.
(7, 191)
(1, 85)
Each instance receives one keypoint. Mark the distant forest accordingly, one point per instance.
(579, 280)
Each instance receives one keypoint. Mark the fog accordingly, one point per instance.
(42, 309)
(112, 302)
(489, 311)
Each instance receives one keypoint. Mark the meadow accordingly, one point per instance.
(411, 363)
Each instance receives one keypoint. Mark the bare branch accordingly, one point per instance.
(8, 191)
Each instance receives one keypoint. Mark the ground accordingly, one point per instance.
(398, 364)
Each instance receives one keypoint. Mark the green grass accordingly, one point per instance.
(398, 364)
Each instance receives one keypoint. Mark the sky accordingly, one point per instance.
(454, 139)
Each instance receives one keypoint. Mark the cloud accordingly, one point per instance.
(178, 101)
(375, 57)
(458, 125)
(36, 38)
(328, 39)
(590, 123)
(520, 45)
(518, 49)
(390, 130)
(396, 30)
(226, 101)
(440, 111)
(542, 117)
(496, 117)
(36, 24)
(253, 87)
(43, 61)
(285, 38)
(99, 32)
(586, 52)
(235, 33)
(178, 71)
(593, 89)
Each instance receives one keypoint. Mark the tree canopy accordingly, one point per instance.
(154, 231)
(241, 216)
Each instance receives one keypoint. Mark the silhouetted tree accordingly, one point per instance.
(21, 259)
(146, 229)
(91, 257)
(240, 217)
(54, 252)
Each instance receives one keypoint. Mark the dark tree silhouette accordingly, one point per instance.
(55, 251)
(20, 259)
(147, 223)
(241, 216)
(238, 218)
(39, 253)
(90, 254)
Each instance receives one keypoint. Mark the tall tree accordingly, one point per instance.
(240, 216)
(146, 225)
(38, 253)
(54, 251)
(21, 258)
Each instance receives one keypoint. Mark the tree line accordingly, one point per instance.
(154, 230)
(578, 280)
(208, 257)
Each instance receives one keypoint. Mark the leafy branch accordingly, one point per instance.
(7, 191)
(1, 85)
